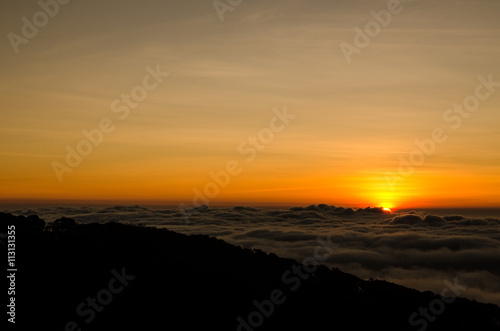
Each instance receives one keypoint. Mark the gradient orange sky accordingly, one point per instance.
(352, 121)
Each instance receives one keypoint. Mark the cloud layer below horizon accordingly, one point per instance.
(413, 249)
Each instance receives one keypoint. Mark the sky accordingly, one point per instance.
(257, 103)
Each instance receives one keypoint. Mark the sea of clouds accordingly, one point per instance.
(417, 249)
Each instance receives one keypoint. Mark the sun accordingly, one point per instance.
(386, 207)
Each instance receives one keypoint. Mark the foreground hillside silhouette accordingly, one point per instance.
(156, 279)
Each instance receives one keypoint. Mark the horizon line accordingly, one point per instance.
(175, 203)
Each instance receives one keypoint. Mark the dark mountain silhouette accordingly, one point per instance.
(169, 281)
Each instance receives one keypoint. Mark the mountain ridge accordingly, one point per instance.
(196, 281)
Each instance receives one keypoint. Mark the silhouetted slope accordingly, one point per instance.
(199, 283)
